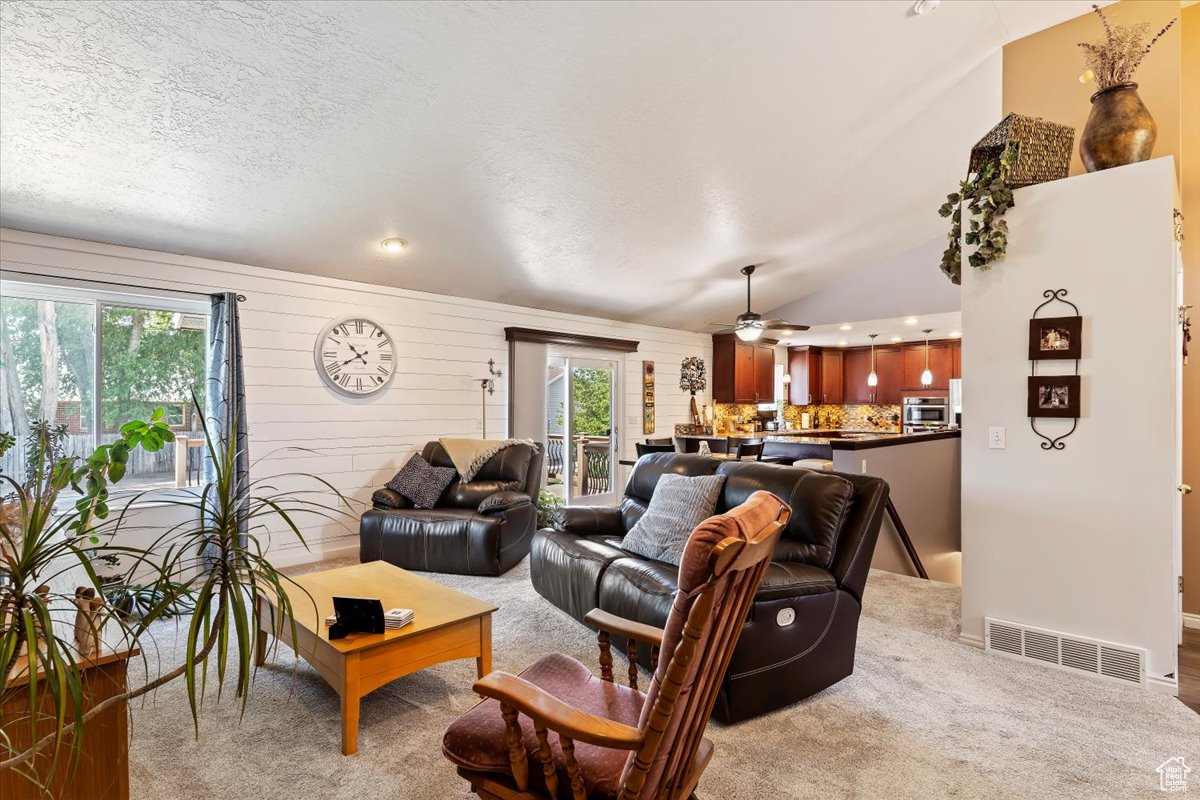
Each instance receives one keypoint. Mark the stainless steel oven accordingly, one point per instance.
(926, 413)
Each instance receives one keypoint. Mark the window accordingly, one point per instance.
(91, 361)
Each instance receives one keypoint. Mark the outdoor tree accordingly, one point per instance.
(591, 390)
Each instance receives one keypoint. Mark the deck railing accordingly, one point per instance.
(594, 453)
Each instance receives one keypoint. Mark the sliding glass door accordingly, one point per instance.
(581, 415)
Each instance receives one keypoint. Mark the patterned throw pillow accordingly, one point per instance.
(678, 505)
(421, 482)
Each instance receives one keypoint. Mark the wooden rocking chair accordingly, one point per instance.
(592, 738)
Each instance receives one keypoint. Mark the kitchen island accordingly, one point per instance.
(922, 471)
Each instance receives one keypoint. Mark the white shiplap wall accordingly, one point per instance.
(443, 344)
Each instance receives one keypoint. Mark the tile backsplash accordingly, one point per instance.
(859, 417)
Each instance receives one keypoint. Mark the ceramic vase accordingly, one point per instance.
(1119, 129)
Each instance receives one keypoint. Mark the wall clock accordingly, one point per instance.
(355, 356)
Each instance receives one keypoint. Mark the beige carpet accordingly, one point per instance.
(923, 716)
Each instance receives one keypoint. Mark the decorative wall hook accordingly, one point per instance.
(1185, 320)
(489, 383)
(487, 386)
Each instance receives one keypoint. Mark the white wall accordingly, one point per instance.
(909, 283)
(442, 343)
(1078, 540)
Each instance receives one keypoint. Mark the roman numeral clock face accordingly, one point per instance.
(355, 357)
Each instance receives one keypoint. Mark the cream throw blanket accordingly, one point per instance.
(469, 455)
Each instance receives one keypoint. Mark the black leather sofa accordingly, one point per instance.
(483, 527)
(801, 632)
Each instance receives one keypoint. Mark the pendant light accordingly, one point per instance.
(873, 379)
(927, 376)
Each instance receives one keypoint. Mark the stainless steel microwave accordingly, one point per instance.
(926, 412)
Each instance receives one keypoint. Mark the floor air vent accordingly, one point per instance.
(1076, 653)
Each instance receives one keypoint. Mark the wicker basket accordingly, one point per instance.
(1043, 149)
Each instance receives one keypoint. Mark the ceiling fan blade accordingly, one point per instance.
(783, 324)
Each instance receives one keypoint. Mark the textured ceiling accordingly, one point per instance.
(622, 159)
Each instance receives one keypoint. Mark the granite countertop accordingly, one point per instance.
(841, 439)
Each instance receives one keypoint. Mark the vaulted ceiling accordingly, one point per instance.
(620, 159)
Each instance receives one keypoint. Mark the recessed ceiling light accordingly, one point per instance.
(956, 333)
(911, 321)
(842, 343)
(394, 245)
(896, 338)
(845, 327)
(925, 6)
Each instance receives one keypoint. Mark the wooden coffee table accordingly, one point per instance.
(448, 625)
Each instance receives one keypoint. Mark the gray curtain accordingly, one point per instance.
(226, 403)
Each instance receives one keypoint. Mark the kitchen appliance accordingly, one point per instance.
(926, 414)
(956, 402)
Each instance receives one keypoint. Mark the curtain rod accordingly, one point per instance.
(241, 297)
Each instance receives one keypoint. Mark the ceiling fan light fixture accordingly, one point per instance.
(748, 330)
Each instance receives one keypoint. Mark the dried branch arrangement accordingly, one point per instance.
(1114, 61)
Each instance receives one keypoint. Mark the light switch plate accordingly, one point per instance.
(996, 439)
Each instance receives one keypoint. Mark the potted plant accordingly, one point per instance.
(1119, 128)
(212, 565)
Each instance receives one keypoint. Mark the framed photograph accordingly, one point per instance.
(1054, 396)
(1055, 338)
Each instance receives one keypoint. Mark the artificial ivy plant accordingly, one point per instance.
(987, 196)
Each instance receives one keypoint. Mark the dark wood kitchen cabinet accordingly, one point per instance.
(889, 374)
(856, 366)
(835, 377)
(804, 368)
(941, 364)
(764, 374)
(743, 372)
(889, 367)
(831, 377)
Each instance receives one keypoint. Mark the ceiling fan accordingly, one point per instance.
(750, 326)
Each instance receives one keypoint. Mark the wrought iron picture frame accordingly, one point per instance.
(1054, 396)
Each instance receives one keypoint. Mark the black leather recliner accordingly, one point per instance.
(483, 527)
(801, 632)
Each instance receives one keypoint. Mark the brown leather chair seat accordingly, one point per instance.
(575, 564)
(793, 579)
(475, 741)
(638, 588)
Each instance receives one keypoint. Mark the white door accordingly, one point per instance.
(581, 421)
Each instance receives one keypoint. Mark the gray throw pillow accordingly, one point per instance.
(421, 482)
(678, 505)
